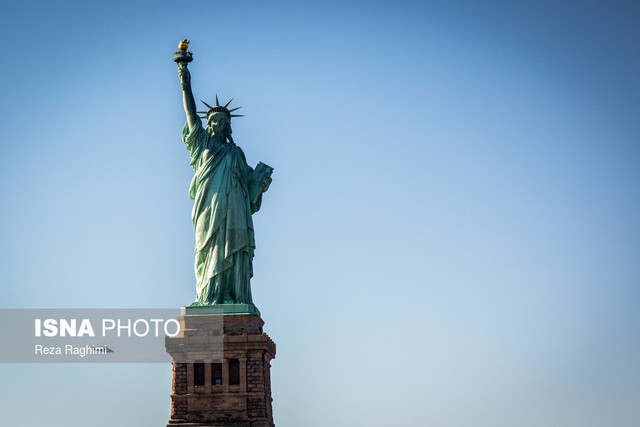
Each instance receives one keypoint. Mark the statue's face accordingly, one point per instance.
(218, 124)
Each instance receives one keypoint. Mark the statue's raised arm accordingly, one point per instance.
(182, 57)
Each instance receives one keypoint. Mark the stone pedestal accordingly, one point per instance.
(221, 365)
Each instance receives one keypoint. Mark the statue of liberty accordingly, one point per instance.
(226, 192)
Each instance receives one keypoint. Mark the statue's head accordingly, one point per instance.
(219, 118)
(219, 124)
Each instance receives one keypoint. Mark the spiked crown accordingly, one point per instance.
(219, 109)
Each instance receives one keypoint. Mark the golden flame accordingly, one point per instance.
(184, 44)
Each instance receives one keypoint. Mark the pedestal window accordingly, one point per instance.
(234, 372)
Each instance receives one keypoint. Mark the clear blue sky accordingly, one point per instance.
(452, 237)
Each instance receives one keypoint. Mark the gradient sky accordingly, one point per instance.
(452, 236)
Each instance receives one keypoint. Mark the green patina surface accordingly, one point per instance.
(226, 193)
(195, 310)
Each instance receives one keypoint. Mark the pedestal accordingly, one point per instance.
(221, 367)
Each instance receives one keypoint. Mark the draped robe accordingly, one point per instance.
(222, 219)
